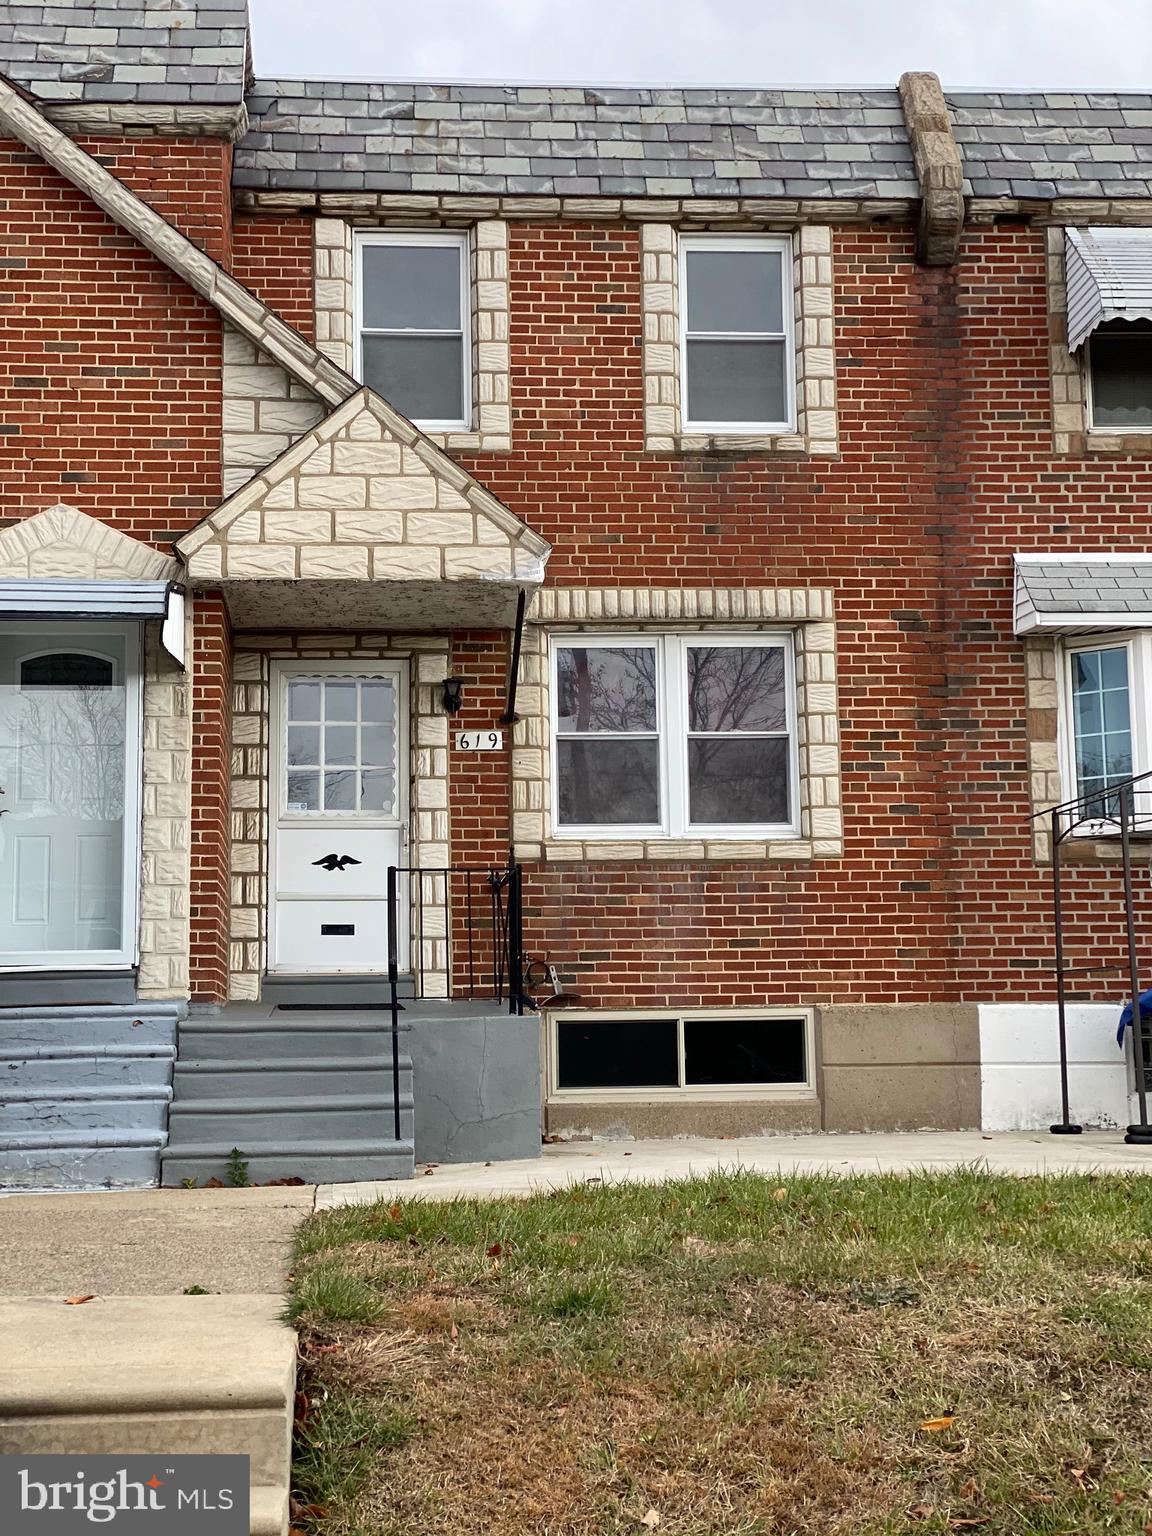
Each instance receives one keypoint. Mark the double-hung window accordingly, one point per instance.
(413, 330)
(736, 324)
(1109, 720)
(1120, 376)
(674, 735)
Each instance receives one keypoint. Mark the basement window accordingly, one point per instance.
(700, 1053)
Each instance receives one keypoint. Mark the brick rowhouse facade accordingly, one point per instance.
(913, 902)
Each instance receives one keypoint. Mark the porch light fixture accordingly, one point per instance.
(452, 695)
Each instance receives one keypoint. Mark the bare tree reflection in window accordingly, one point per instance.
(71, 734)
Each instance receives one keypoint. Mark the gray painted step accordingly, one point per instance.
(74, 1067)
(84, 1093)
(323, 1162)
(344, 1037)
(39, 1111)
(295, 1077)
(245, 1122)
(333, 989)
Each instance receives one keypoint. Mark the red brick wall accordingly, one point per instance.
(211, 771)
(274, 257)
(186, 180)
(876, 924)
(110, 393)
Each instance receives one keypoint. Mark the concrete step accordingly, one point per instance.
(140, 1027)
(93, 1160)
(250, 1122)
(78, 1066)
(153, 1375)
(316, 1162)
(342, 1037)
(297, 1077)
(41, 1112)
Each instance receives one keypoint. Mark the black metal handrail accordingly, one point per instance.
(1114, 806)
(483, 913)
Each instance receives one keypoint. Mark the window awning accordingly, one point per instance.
(1109, 277)
(72, 600)
(1075, 593)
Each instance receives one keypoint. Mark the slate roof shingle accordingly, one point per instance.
(575, 141)
(180, 52)
(1054, 143)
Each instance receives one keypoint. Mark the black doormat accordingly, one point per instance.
(336, 1007)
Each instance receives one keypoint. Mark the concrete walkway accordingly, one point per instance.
(149, 1242)
(652, 1162)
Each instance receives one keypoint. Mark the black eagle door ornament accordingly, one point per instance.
(334, 861)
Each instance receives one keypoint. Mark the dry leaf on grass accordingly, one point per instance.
(934, 1426)
(77, 1301)
(651, 1520)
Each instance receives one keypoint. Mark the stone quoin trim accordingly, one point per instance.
(335, 278)
(429, 657)
(815, 357)
(807, 612)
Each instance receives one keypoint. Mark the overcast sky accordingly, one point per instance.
(1053, 43)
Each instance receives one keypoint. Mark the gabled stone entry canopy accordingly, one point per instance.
(365, 522)
(64, 544)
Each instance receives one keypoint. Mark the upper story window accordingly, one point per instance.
(413, 329)
(1120, 376)
(675, 735)
(736, 324)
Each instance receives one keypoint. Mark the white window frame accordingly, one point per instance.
(456, 239)
(128, 953)
(672, 734)
(1125, 429)
(1138, 644)
(783, 244)
(694, 1092)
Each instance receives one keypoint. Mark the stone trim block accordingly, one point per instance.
(939, 168)
(815, 351)
(807, 612)
(335, 269)
(368, 487)
(62, 543)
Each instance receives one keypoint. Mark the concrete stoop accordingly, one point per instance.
(154, 1374)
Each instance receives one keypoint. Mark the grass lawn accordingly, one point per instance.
(732, 1356)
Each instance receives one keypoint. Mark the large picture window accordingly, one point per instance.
(413, 326)
(736, 323)
(674, 735)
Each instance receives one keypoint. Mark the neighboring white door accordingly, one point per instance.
(69, 795)
(338, 793)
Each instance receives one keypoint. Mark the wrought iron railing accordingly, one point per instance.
(1124, 810)
(455, 933)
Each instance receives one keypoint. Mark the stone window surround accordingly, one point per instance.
(335, 276)
(807, 612)
(1071, 432)
(815, 359)
(429, 844)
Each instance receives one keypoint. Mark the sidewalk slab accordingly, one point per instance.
(149, 1242)
(1021, 1153)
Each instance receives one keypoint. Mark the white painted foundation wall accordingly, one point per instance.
(1020, 1071)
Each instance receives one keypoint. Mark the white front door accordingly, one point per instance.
(338, 806)
(69, 795)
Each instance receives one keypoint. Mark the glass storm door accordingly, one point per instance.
(337, 798)
(69, 815)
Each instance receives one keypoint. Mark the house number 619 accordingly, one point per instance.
(479, 741)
